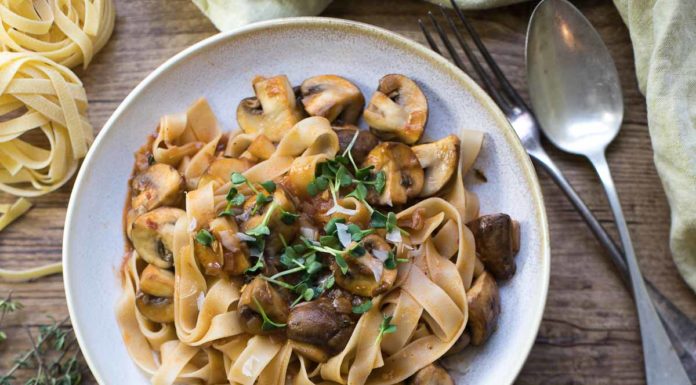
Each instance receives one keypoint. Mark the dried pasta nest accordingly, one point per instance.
(40, 99)
(69, 32)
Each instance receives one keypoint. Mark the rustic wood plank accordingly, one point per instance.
(589, 333)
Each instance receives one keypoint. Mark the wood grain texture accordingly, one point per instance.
(589, 334)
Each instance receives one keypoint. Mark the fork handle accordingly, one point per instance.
(682, 330)
(662, 364)
(617, 257)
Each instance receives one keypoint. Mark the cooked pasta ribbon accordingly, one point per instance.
(205, 342)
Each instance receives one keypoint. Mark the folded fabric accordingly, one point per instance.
(663, 33)
(230, 14)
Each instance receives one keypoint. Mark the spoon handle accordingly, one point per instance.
(662, 365)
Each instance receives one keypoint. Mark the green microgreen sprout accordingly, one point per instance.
(363, 307)
(263, 229)
(385, 328)
(267, 324)
(204, 237)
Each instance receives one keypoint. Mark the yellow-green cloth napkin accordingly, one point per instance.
(663, 33)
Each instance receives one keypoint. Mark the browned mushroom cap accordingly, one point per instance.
(332, 97)
(159, 185)
(273, 111)
(272, 303)
(367, 276)
(157, 282)
(156, 309)
(484, 308)
(404, 175)
(326, 322)
(439, 159)
(364, 143)
(497, 241)
(432, 374)
(153, 235)
(398, 110)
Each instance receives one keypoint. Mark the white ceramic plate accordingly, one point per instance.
(220, 68)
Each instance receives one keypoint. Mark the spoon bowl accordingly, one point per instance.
(575, 91)
(573, 82)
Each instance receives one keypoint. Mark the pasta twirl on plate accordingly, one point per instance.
(304, 250)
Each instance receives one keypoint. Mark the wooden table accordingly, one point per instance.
(589, 333)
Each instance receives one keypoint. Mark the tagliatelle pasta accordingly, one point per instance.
(255, 262)
(39, 97)
(69, 32)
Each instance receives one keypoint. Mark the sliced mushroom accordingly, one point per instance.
(398, 110)
(495, 237)
(439, 160)
(364, 143)
(326, 322)
(461, 344)
(484, 308)
(157, 282)
(152, 235)
(156, 309)
(367, 276)
(332, 97)
(404, 175)
(159, 185)
(432, 374)
(273, 111)
(272, 303)
(210, 257)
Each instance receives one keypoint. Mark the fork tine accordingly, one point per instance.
(507, 87)
(457, 59)
(487, 81)
(429, 38)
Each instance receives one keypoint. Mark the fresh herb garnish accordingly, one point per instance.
(363, 307)
(204, 237)
(357, 234)
(330, 227)
(385, 328)
(287, 217)
(267, 324)
(269, 186)
(257, 266)
(262, 228)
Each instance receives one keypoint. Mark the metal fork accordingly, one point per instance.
(681, 329)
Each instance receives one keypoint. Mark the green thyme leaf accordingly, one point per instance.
(363, 307)
(204, 237)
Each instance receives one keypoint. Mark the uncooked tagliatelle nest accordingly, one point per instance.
(40, 97)
(69, 32)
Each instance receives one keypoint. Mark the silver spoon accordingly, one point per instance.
(576, 94)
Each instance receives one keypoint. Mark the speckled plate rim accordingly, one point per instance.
(375, 32)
